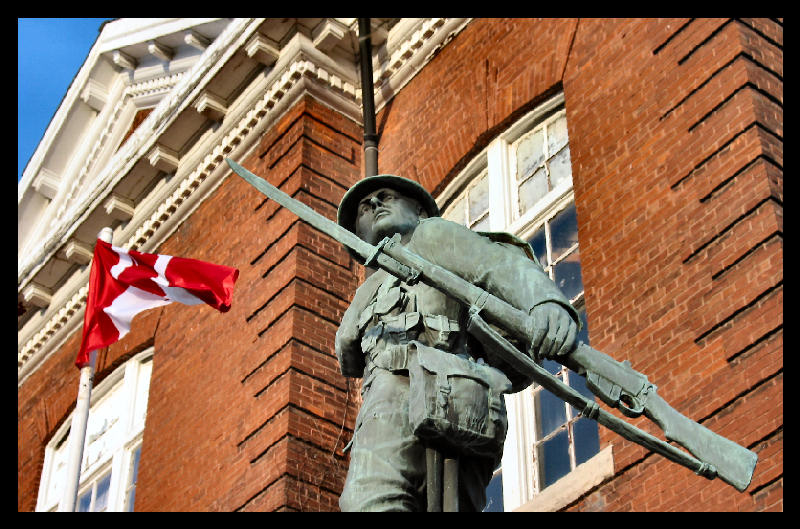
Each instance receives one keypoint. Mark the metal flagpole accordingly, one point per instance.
(80, 417)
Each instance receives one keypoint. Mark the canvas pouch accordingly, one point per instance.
(456, 402)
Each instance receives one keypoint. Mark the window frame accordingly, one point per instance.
(124, 384)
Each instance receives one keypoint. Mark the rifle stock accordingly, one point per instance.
(620, 386)
(734, 464)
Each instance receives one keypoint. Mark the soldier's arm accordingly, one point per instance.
(505, 272)
(348, 342)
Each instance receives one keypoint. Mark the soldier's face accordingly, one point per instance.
(385, 212)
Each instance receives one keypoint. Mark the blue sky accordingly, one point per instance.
(50, 51)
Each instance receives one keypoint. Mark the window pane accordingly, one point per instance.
(130, 500)
(557, 135)
(479, 199)
(456, 211)
(560, 168)
(555, 458)
(551, 412)
(583, 334)
(481, 225)
(568, 275)
(532, 190)
(587, 441)
(537, 243)
(530, 154)
(578, 383)
(552, 366)
(564, 230)
(101, 499)
(85, 501)
(131, 494)
(494, 494)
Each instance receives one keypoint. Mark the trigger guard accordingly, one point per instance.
(630, 411)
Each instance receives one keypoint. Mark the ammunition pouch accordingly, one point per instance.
(456, 403)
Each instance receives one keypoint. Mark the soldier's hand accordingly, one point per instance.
(554, 330)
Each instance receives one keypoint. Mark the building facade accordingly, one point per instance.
(642, 159)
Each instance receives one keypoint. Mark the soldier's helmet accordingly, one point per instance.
(348, 207)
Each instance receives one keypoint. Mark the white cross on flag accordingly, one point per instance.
(124, 283)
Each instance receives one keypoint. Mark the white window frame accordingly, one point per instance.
(127, 384)
(520, 488)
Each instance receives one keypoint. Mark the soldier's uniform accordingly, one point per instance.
(385, 321)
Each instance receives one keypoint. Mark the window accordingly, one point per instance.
(113, 444)
(471, 208)
(95, 497)
(522, 184)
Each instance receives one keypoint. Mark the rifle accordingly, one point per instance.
(617, 384)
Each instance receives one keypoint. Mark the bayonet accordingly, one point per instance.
(615, 383)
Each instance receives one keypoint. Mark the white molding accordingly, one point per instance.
(78, 252)
(140, 142)
(149, 92)
(263, 49)
(196, 40)
(420, 40)
(37, 295)
(328, 34)
(47, 183)
(211, 105)
(160, 51)
(152, 223)
(575, 484)
(118, 207)
(163, 158)
(95, 95)
(123, 60)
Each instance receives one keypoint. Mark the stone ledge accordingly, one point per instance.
(572, 486)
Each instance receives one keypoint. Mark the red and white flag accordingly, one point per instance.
(124, 283)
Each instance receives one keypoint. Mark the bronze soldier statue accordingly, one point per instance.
(446, 322)
(390, 326)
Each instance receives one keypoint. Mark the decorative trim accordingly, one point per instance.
(159, 51)
(211, 105)
(138, 144)
(196, 40)
(37, 295)
(47, 183)
(328, 34)
(152, 88)
(264, 50)
(94, 95)
(78, 252)
(35, 349)
(123, 60)
(118, 207)
(163, 158)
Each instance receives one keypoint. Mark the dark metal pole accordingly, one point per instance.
(450, 485)
(434, 474)
(368, 98)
